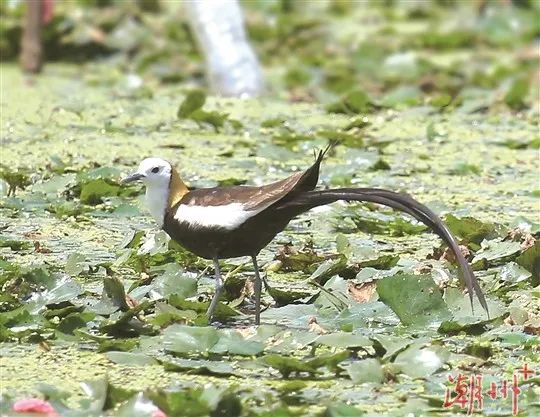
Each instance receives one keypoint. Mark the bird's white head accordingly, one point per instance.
(164, 188)
(153, 172)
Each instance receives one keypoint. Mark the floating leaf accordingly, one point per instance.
(14, 244)
(330, 360)
(297, 260)
(126, 324)
(214, 118)
(62, 289)
(392, 224)
(530, 260)
(464, 168)
(338, 410)
(354, 102)
(512, 272)
(358, 123)
(419, 362)
(416, 299)
(464, 319)
(182, 339)
(137, 406)
(496, 252)
(198, 367)
(284, 297)
(232, 342)
(404, 96)
(75, 263)
(387, 346)
(18, 178)
(517, 93)
(166, 314)
(194, 100)
(175, 280)
(470, 229)
(366, 370)
(94, 191)
(130, 358)
(223, 311)
(287, 365)
(114, 289)
(526, 225)
(329, 268)
(344, 340)
(74, 321)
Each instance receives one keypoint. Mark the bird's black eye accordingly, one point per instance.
(155, 170)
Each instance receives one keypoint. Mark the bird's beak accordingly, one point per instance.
(133, 177)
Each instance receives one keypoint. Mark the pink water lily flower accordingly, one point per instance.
(158, 413)
(36, 406)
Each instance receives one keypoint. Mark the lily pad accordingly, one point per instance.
(130, 358)
(419, 362)
(366, 370)
(470, 229)
(94, 191)
(530, 260)
(415, 299)
(344, 340)
(232, 342)
(199, 367)
(182, 340)
(287, 365)
(194, 100)
(495, 252)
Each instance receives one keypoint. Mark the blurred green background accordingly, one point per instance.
(397, 53)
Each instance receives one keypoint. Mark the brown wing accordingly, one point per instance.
(257, 198)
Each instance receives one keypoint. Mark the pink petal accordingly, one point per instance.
(35, 405)
(47, 11)
(158, 413)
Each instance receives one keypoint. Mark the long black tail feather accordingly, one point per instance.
(306, 200)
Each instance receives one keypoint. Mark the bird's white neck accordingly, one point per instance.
(157, 199)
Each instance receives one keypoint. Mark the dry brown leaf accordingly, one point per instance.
(316, 327)
(449, 255)
(363, 292)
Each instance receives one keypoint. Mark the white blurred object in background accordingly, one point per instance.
(231, 65)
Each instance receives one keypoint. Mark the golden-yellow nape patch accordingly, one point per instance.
(177, 188)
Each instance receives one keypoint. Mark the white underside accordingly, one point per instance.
(156, 202)
(227, 216)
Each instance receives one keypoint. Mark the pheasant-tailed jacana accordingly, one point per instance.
(227, 222)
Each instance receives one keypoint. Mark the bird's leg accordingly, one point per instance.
(219, 289)
(265, 282)
(257, 287)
